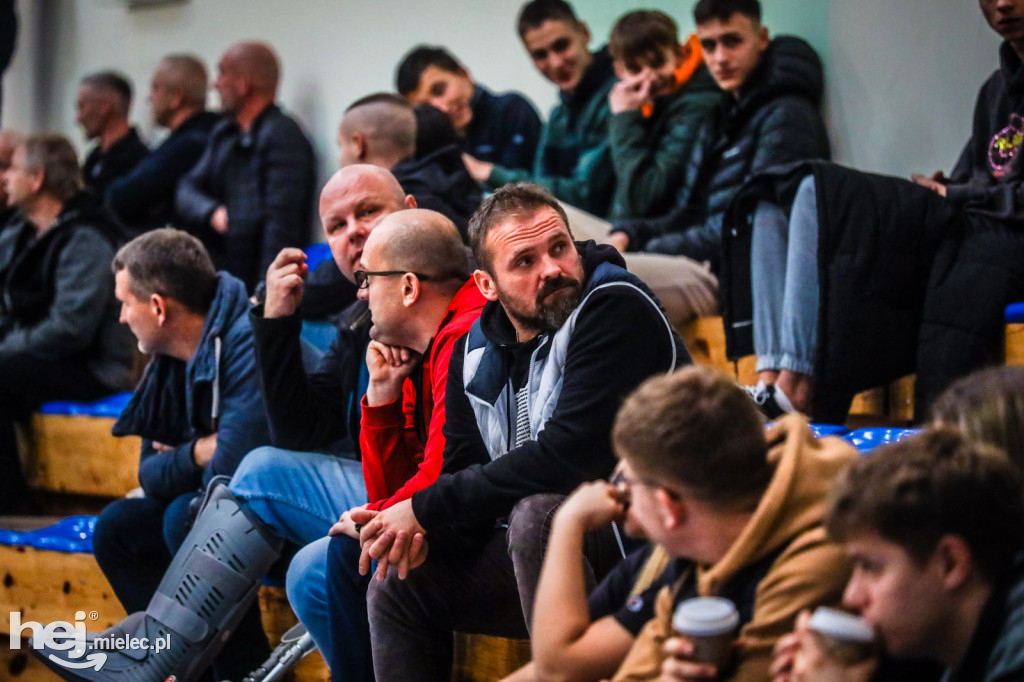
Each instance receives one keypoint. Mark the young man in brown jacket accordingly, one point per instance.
(741, 508)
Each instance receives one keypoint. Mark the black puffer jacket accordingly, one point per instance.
(775, 120)
(440, 182)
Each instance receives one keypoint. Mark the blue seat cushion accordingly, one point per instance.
(1015, 313)
(73, 534)
(105, 407)
(866, 440)
(316, 254)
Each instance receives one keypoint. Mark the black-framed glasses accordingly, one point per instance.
(363, 276)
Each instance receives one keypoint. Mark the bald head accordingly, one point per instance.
(257, 62)
(379, 129)
(423, 241)
(352, 202)
(363, 179)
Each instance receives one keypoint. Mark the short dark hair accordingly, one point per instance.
(915, 491)
(416, 61)
(536, 12)
(112, 82)
(642, 34)
(170, 263)
(512, 200)
(56, 157)
(697, 431)
(706, 10)
(380, 98)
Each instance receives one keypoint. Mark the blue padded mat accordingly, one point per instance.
(105, 407)
(866, 440)
(73, 534)
(822, 430)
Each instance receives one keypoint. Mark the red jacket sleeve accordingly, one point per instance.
(390, 448)
(395, 463)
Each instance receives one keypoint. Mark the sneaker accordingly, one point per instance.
(764, 396)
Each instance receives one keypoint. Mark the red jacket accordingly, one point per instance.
(396, 461)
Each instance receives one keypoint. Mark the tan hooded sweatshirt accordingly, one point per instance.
(811, 570)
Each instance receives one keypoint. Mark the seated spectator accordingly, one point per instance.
(317, 413)
(380, 130)
(198, 410)
(59, 337)
(417, 317)
(663, 95)
(933, 529)
(577, 636)
(143, 198)
(102, 106)
(9, 140)
(251, 193)
(767, 115)
(542, 358)
(573, 160)
(938, 259)
(741, 510)
(497, 128)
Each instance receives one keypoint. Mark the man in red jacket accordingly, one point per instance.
(415, 275)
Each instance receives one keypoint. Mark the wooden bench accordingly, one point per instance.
(893, 403)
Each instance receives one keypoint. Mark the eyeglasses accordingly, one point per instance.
(363, 276)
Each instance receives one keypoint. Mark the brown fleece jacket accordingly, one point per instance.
(810, 570)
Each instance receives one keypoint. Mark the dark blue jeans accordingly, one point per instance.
(134, 541)
(349, 631)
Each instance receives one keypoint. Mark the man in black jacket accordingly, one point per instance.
(59, 336)
(102, 105)
(380, 129)
(532, 390)
(144, 198)
(498, 128)
(767, 115)
(858, 279)
(251, 193)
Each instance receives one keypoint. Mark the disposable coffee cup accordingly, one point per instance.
(843, 636)
(710, 624)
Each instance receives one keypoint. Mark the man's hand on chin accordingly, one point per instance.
(392, 537)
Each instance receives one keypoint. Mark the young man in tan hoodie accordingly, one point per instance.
(740, 508)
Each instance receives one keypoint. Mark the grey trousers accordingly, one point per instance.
(489, 590)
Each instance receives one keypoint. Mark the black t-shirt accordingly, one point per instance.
(612, 597)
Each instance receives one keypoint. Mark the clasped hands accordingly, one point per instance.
(392, 537)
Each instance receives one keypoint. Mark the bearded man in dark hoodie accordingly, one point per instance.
(533, 388)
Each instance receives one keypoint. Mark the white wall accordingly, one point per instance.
(902, 74)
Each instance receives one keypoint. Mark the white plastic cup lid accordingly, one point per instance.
(706, 616)
(841, 625)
